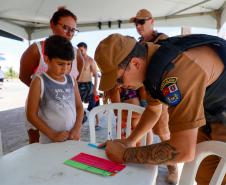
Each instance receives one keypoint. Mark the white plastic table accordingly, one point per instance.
(42, 164)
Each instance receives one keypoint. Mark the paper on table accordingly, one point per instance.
(87, 168)
(98, 162)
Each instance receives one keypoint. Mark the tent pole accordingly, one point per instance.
(29, 31)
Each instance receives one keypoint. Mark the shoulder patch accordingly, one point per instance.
(171, 93)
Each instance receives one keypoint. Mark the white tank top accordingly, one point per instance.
(57, 104)
(42, 67)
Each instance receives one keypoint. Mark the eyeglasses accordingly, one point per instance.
(120, 80)
(140, 21)
(68, 29)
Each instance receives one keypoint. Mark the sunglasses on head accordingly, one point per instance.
(140, 21)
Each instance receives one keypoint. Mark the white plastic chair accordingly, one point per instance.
(108, 110)
(203, 150)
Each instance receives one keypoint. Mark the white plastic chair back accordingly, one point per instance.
(203, 150)
(108, 110)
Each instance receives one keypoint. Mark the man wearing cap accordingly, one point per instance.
(144, 23)
(124, 61)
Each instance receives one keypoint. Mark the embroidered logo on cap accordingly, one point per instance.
(170, 91)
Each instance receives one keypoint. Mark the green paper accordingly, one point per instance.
(87, 168)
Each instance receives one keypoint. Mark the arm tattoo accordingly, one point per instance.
(153, 154)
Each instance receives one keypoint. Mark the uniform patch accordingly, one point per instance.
(170, 91)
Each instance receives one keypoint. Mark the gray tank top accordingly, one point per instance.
(57, 105)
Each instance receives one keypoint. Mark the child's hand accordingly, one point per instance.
(74, 135)
(61, 136)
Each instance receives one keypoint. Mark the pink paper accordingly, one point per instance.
(98, 162)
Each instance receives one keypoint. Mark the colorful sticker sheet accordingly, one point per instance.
(94, 164)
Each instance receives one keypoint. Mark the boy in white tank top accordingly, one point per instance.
(54, 105)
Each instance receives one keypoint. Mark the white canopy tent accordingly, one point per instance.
(29, 19)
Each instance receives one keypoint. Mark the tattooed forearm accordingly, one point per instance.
(153, 154)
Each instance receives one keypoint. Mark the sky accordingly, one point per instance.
(12, 50)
